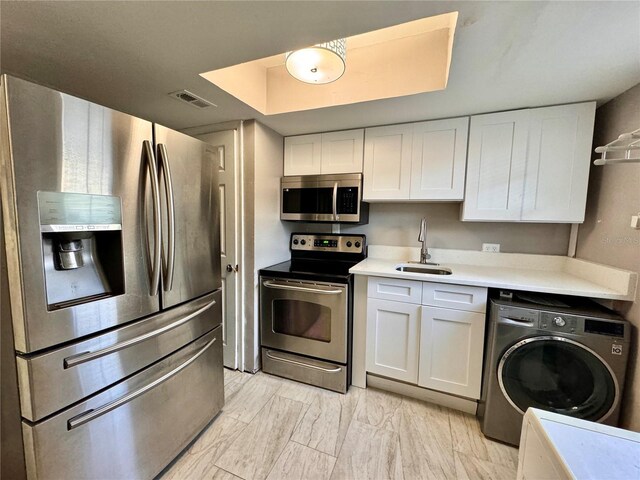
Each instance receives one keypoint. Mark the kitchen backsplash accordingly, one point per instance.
(398, 224)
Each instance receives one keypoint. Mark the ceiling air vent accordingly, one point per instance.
(192, 99)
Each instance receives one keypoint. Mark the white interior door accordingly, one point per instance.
(226, 142)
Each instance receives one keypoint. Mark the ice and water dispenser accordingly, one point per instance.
(81, 246)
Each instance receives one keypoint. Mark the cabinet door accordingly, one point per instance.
(393, 335)
(342, 151)
(558, 161)
(387, 162)
(302, 154)
(439, 159)
(496, 166)
(451, 345)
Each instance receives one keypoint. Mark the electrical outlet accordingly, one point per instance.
(635, 221)
(491, 247)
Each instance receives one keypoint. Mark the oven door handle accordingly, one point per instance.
(302, 364)
(270, 284)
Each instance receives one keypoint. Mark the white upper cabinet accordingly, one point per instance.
(326, 153)
(496, 166)
(529, 165)
(417, 161)
(387, 162)
(558, 162)
(342, 151)
(302, 154)
(438, 159)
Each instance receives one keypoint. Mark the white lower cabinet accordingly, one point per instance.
(393, 336)
(451, 345)
(412, 340)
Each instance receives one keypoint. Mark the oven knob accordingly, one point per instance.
(349, 244)
(559, 322)
(357, 244)
(295, 241)
(303, 242)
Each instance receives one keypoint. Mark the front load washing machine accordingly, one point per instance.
(560, 354)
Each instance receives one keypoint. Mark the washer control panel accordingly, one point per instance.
(558, 322)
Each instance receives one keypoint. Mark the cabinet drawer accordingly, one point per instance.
(408, 291)
(459, 297)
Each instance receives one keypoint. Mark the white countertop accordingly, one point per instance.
(538, 273)
(586, 449)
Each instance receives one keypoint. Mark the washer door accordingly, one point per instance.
(558, 375)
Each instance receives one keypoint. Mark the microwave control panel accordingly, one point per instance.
(328, 243)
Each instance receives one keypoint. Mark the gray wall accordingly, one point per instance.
(397, 224)
(606, 236)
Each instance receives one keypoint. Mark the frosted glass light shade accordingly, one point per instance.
(322, 63)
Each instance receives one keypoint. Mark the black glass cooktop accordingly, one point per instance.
(326, 271)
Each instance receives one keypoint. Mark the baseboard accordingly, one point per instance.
(451, 401)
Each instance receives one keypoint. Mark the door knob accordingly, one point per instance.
(231, 268)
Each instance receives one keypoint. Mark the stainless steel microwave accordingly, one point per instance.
(324, 198)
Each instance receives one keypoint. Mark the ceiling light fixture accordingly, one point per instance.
(319, 64)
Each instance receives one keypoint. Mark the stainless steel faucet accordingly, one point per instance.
(422, 237)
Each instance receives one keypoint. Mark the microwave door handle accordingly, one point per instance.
(335, 201)
(155, 194)
(171, 215)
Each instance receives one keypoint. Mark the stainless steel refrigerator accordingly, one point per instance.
(112, 245)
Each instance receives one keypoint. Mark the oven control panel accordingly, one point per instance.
(328, 242)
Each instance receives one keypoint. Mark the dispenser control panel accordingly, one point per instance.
(78, 212)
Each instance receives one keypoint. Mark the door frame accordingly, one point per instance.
(238, 168)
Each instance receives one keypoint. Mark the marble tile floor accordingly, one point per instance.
(271, 428)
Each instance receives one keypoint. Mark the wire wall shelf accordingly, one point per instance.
(624, 149)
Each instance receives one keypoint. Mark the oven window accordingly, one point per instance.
(307, 200)
(302, 319)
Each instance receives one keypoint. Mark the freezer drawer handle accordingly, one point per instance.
(271, 284)
(302, 364)
(169, 262)
(92, 414)
(84, 357)
(151, 163)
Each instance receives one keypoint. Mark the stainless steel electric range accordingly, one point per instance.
(306, 310)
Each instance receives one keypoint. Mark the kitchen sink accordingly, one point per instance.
(425, 269)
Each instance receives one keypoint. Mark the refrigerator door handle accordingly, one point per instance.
(153, 174)
(92, 414)
(85, 357)
(171, 214)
